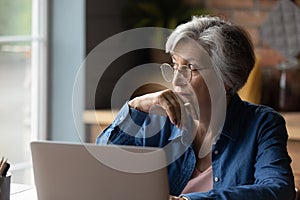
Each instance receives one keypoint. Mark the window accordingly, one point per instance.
(22, 82)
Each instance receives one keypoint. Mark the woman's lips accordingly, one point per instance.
(184, 96)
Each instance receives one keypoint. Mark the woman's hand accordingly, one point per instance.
(175, 198)
(164, 102)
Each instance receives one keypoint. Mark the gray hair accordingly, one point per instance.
(228, 45)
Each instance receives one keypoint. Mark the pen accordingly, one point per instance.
(4, 166)
(2, 159)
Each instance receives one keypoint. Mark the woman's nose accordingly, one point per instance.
(178, 79)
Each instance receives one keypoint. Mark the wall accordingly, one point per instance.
(66, 53)
(103, 20)
(251, 14)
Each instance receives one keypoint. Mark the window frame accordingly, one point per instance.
(39, 69)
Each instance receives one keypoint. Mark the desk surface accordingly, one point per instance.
(22, 192)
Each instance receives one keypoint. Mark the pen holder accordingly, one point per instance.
(5, 187)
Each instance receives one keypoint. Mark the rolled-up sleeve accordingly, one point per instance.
(124, 128)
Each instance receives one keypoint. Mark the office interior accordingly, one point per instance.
(50, 93)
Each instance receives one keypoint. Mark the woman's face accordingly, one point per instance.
(205, 87)
(196, 87)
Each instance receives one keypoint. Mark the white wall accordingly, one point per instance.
(66, 54)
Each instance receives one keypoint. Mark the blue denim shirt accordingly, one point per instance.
(249, 161)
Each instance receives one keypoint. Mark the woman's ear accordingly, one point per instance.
(229, 91)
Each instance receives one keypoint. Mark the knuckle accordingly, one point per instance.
(169, 106)
(166, 92)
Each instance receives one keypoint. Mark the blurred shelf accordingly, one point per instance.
(99, 116)
(103, 118)
(292, 124)
(97, 121)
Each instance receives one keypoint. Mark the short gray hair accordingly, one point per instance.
(228, 45)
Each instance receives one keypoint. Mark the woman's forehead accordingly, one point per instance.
(189, 51)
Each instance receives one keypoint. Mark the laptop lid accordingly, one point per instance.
(68, 171)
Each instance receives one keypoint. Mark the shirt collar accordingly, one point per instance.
(233, 118)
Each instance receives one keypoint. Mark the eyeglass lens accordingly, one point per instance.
(168, 72)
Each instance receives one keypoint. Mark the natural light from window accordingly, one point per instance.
(22, 82)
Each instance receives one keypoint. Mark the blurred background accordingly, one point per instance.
(43, 44)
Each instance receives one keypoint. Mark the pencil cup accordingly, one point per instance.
(5, 187)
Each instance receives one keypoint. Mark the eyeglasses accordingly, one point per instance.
(184, 71)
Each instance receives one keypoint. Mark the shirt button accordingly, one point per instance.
(217, 179)
(216, 152)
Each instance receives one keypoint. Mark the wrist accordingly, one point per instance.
(134, 104)
(131, 104)
(140, 103)
(184, 198)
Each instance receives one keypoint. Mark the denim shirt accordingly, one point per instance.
(249, 160)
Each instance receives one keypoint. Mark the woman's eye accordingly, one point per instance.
(184, 67)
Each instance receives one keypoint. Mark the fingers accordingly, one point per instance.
(163, 102)
(169, 102)
(173, 197)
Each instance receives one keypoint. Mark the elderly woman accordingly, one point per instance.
(227, 148)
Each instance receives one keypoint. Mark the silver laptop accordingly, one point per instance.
(68, 171)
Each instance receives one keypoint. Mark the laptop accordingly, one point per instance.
(73, 171)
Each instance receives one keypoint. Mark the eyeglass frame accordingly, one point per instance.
(171, 66)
